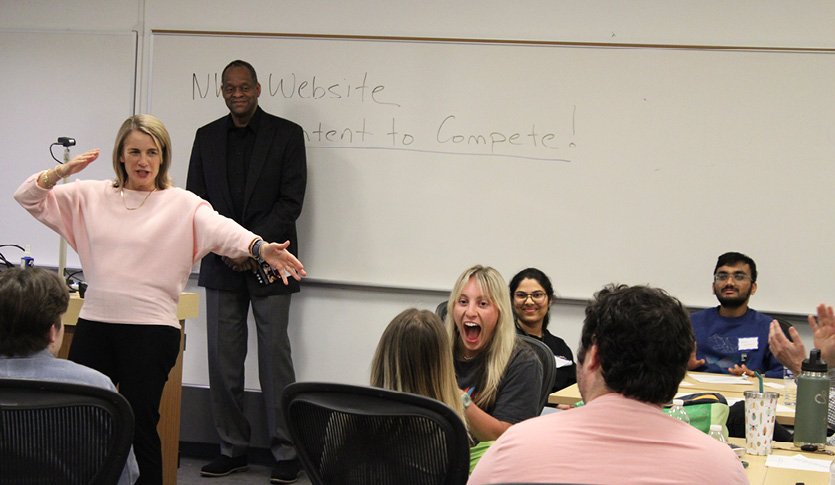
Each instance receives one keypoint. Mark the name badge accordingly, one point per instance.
(748, 343)
(562, 361)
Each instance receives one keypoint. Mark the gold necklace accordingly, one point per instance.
(122, 193)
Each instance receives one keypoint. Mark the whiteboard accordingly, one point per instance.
(594, 163)
(74, 84)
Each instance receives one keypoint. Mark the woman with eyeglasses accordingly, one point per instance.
(532, 293)
(499, 376)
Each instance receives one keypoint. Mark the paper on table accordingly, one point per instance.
(797, 462)
(719, 379)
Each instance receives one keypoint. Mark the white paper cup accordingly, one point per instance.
(760, 414)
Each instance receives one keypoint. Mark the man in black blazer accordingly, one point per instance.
(251, 167)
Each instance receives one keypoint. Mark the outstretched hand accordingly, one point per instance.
(284, 263)
(78, 163)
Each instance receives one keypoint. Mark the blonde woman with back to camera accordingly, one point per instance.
(137, 237)
(414, 355)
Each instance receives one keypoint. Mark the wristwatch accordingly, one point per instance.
(466, 400)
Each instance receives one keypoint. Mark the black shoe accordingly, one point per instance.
(224, 465)
(286, 471)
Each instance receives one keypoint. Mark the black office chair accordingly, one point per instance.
(60, 433)
(357, 435)
(549, 366)
(440, 310)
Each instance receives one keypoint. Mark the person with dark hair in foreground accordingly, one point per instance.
(634, 349)
(31, 304)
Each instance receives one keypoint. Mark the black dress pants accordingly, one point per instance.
(137, 358)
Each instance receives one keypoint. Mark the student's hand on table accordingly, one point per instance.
(694, 363)
(789, 353)
(740, 370)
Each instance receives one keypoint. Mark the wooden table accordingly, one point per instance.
(169, 408)
(571, 394)
(758, 473)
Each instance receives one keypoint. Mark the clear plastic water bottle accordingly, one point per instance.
(678, 412)
(789, 388)
(832, 473)
(716, 433)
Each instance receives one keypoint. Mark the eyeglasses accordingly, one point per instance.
(738, 276)
(229, 90)
(536, 296)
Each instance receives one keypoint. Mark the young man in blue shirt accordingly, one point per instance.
(733, 338)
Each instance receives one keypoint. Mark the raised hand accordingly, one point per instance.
(78, 163)
(823, 330)
(789, 353)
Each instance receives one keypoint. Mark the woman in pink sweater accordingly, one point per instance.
(137, 238)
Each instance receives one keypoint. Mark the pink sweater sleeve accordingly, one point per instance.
(53, 207)
(214, 233)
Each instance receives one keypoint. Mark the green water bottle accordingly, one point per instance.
(812, 402)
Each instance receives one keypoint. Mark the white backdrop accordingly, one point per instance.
(75, 84)
(637, 165)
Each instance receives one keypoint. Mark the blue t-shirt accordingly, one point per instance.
(723, 342)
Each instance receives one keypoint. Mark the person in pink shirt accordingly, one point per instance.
(633, 353)
(137, 238)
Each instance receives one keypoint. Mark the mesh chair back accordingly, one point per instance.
(53, 432)
(549, 366)
(347, 435)
(440, 310)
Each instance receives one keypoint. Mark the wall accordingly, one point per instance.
(335, 328)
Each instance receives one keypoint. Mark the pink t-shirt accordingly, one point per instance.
(136, 262)
(612, 439)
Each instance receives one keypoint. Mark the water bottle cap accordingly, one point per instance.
(814, 362)
(678, 402)
(716, 427)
